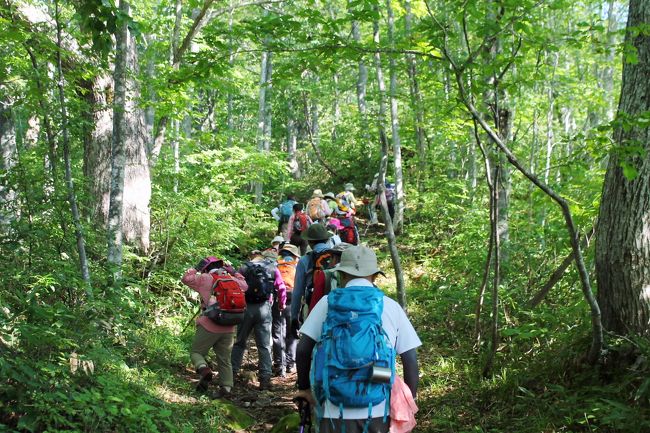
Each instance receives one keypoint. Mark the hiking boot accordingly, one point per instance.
(290, 369)
(265, 384)
(279, 371)
(205, 374)
(223, 392)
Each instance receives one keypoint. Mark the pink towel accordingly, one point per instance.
(402, 407)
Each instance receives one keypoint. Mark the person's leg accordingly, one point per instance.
(290, 341)
(223, 350)
(263, 343)
(201, 344)
(243, 331)
(277, 327)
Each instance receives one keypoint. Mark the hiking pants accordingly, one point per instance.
(334, 425)
(258, 319)
(221, 343)
(284, 343)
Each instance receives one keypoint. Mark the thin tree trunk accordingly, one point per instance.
(292, 141)
(394, 117)
(416, 101)
(261, 118)
(390, 233)
(488, 259)
(494, 328)
(72, 197)
(362, 81)
(8, 213)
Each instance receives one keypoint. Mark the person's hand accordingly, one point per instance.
(306, 394)
(281, 307)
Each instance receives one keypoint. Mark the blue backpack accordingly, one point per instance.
(286, 210)
(353, 345)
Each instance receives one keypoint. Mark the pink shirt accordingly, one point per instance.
(202, 284)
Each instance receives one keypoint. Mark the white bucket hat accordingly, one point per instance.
(349, 187)
(359, 261)
(277, 239)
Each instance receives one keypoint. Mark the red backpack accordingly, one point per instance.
(316, 290)
(300, 222)
(230, 304)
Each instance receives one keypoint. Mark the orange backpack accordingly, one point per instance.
(287, 268)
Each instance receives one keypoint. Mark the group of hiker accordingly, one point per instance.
(311, 301)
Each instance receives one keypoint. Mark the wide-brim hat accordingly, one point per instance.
(316, 232)
(340, 247)
(204, 263)
(359, 261)
(294, 250)
(317, 193)
(330, 195)
(278, 239)
(336, 223)
(349, 187)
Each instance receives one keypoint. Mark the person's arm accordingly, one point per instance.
(298, 288)
(281, 289)
(239, 278)
(411, 370)
(326, 208)
(290, 225)
(303, 366)
(275, 212)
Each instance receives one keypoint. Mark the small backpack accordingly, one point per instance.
(230, 304)
(286, 210)
(260, 277)
(343, 203)
(287, 268)
(300, 222)
(349, 232)
(315, 209)
(353, 364)
(390, 192)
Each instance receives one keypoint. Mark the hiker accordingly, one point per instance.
(374, 203)
(333, 226)
(348, 196)
(282, 213)
(263, 279)
(284, 343)
(298, 224)
(331, 202)
(208, 334)
(317, 207)
(354, 310)
(317, 237)
(273, 251)
(330, 277)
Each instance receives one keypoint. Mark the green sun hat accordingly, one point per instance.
(316, 232)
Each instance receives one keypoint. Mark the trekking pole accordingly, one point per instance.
(191, 320)
(304, 410)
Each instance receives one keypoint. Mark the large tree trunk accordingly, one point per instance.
(118, 152)
(623, 235)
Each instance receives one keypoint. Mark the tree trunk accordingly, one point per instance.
(292, 141)
(7, 162)
(118, 148)
(362, 81)
(72, 197)
(261, 118)
(394, 119)
(390, 233)
(623, 233)
(416, 101)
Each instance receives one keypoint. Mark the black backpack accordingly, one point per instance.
(260, 277)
